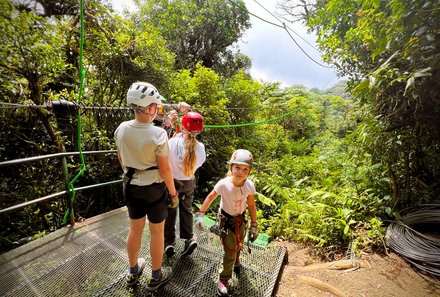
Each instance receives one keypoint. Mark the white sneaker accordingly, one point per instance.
(222, 288)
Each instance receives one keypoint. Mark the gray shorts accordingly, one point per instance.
(150, 201)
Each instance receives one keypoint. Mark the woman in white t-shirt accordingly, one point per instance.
(237, 193)
(186, 156)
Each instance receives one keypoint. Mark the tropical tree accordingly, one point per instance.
(199, 31)
(49, 8)
(390, 49)
(32, 57)
(40, 55)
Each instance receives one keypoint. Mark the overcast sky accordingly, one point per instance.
(275, 56)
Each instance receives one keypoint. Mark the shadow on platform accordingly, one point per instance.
(90, 259)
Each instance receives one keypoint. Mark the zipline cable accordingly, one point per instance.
(81, 105)
(82, 74)
(251, 124)
(283, 27)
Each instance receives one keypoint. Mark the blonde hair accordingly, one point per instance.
(190, 158)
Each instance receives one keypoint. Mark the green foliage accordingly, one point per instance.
(319, 171)
(120, 52)
(323, 198)
(390, 51)
(199, 31)
(31, 54)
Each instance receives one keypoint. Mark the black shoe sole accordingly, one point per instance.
(170, 253)
(237, 269)
(190, 250)
(158, 286)
(153, 289)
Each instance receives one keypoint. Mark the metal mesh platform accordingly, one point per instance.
(90, 259)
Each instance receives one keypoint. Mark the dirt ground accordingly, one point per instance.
(373, 276)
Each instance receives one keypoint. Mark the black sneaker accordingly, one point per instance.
(190, 246)
(237, 269)
(169, 251)
(165, 277)
(133, 279)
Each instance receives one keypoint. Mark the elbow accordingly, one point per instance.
(165, 171)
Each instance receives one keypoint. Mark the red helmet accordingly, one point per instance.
(192, 121)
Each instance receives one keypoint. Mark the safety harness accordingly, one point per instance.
(233, 223)
(129, 175)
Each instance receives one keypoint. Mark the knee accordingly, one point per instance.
(157, 228)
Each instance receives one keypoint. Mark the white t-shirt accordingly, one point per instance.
(177, 152)
(233, 198)
(138, 145)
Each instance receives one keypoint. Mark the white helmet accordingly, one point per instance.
(241, 156)
(142, 94)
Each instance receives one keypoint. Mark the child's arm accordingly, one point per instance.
(200, 214)
(253, 231)
(208, 200)
(120, 160)
(252, 208)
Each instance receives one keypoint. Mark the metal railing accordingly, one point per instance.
(67, 193)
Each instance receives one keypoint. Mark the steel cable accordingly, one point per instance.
(422, 249)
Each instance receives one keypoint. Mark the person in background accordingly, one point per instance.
(186, 156)
(148, 180)
(237, 193)
(168, 120)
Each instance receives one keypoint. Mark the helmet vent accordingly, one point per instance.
(142, 94)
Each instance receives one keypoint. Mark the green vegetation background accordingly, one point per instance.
(332, 173)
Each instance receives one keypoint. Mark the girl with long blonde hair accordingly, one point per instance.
(187, 154)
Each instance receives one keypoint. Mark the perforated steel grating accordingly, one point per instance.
(90, 259)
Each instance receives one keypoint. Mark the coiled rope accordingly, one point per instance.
(422, 249)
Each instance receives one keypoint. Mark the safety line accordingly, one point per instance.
(80, 93)
(281, 26)
(250, 124)
(284, 25)
(7, 105)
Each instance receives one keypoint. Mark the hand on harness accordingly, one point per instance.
(173, 201)
(200, 220)
(126, 179)
(253, 232)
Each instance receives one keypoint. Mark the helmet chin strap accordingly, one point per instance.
(151, 116)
